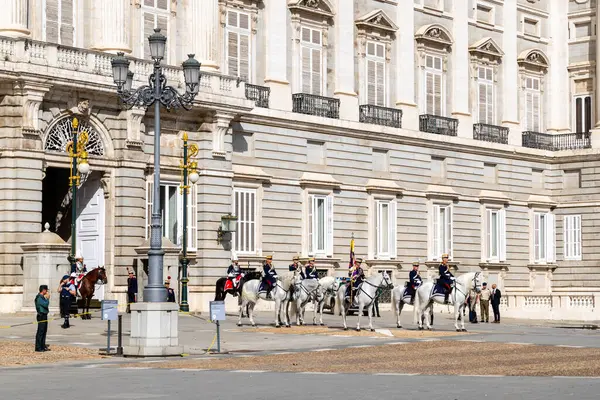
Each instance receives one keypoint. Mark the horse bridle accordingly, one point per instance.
(386, 280)
(475, 286)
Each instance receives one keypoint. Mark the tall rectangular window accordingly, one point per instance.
(244, 208)
(58, 22)
(495, 224)
(385, 228)
(543, 237)
(485, 88)
(311, 48)
(533, 105)
(237, 44)
(320, 225)
(572, 237)
(155, 14)
(442, 231)
(171, 210)
(583, 113)
(433, 85)
(375, 65)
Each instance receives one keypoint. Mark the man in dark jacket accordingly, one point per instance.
(132, 289)
(495, 300)
(42, 303)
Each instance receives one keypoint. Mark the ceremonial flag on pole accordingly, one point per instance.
(351, 264)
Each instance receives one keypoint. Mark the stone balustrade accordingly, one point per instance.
(551, 306)
(41, 57)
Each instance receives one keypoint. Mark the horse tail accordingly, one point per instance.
(218, 290)
(417, 307)
(394, 300)
(338, 302)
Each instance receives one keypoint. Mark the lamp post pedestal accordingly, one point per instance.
(154, 330)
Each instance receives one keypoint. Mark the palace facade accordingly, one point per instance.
(416, 127)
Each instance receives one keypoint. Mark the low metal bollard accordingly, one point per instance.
(120, 336)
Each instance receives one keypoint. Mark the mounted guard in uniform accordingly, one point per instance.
(296, 268)
(357, 276)
(310, 271)
(414, 281)
(446, 279)
(234, 275)
(269, 280)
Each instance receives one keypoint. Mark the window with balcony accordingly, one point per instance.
(311, 71)
(485, 91)
(433, 78)
(237, 44)
(171, 211)
(58, 22)
(155, 14)
(375, 73)
(533, 105)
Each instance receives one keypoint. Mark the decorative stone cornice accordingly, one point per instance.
(441, 192)
(491, 196)
(541, 202)
(222, 126)
(434, 35)
(250, 173)
(135, 117)
(316, 180)
(33, 95)
(486, 48)
(377, 20)
(383, 186)
(533, 59)
(319, 7)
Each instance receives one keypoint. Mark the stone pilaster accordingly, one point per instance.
(510, 78)
(113, 19)
(460, 69)
(559, 61)
(276, 45)
(13, 18)
(405, 65)
(204, 37)
(344, 58)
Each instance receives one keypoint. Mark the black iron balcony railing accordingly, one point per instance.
(372, 114)
(260, 95)
(311, 104)
(490, 133)
(563, 141)
(438, 125)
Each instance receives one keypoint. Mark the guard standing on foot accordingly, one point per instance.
(67, 291)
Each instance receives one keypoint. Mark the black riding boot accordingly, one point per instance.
(412, 298)
(446, 298)
(269, 294)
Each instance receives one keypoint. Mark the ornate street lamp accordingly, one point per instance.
(79, 166)
(189, 173)
(156, 92)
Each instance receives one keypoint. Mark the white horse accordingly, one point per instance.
(281, 295)
(425, 298)
(400, 297)
(364, 297)
(326, 292)
(305, 290)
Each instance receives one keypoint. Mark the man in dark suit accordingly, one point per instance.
(132, 289)
(495, 300)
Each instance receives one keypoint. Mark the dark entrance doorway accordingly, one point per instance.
(56, 201)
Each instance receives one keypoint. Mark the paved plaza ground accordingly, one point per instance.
(516, 359)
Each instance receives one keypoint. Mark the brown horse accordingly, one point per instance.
(87, 287)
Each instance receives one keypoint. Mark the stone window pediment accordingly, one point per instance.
(434, 35)
(377, 21)
(533, 60)
(319, 7)
(486, 49)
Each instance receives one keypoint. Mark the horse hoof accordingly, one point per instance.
(288, 326)
(398, 326)
(357, 329)
(277, 326)
(345, 329)
(464, 330)
(254, 325)
(429, 329)
(458, 330)
(372, 330)
(322, 324)
(239, 324)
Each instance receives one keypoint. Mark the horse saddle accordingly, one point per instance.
(438, 289)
